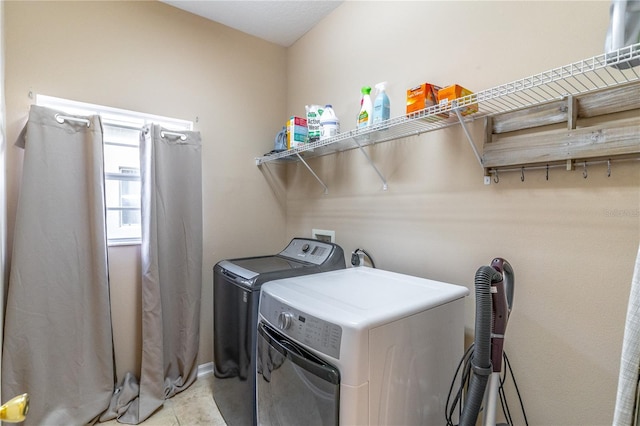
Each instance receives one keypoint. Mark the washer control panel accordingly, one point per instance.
(318, 334)
(312, 251)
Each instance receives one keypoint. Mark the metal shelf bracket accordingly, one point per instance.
(380, 175)
(326, 189)
(456, 109)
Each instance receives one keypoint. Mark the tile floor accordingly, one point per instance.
(193, 407)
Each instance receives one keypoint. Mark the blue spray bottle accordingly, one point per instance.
(381, 106)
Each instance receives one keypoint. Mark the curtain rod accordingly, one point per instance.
(182, 136)
(62, 118)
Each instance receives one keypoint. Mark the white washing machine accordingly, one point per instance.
(359, 346)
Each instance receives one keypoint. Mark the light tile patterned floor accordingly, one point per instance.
(193, 407)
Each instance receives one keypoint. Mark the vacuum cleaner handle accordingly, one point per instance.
(494, 298)
(502, 300)
(504, 267)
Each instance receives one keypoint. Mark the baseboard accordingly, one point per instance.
(205, 369)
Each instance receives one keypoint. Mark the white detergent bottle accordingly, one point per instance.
(381, 106)
(366, 108)
(329, 123)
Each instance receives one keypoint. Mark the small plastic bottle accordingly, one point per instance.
(366, 108)
(381, 107)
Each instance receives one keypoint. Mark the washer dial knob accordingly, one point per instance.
(285, 319)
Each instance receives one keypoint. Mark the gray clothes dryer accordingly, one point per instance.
(236, 293)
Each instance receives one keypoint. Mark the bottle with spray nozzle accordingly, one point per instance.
(366, 107)
(381, 106)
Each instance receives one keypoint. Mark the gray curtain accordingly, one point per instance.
(57, 339)
(628, 386)
(171, 180)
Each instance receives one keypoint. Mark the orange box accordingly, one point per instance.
(450, 93)
(421, 97)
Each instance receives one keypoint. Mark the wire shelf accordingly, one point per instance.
(599, 72)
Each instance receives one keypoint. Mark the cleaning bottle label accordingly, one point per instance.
(363, 118)
(313, 121)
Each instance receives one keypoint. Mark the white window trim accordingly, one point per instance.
(114, 117)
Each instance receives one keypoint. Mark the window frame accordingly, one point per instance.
(118, 119)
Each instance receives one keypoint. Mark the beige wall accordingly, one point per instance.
(150, 57)
(571, 241)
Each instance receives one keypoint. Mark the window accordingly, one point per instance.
(130, 197)
(121, 133)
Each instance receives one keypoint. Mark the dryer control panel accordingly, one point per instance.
(307, 250)
(315, 333)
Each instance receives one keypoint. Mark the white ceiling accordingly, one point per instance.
(278, 21)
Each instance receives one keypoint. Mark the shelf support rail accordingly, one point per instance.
(380, 175)
(456, 109)
(326, 189)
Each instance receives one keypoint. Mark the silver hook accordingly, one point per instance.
(522, 174)
(547, 172)
(496, 178)
(584, 170)
(609, 168)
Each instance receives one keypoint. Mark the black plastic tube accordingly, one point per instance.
(481, 360)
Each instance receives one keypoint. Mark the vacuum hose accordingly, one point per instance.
(481, 361)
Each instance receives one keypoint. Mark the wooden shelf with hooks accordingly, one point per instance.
(599, 124)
